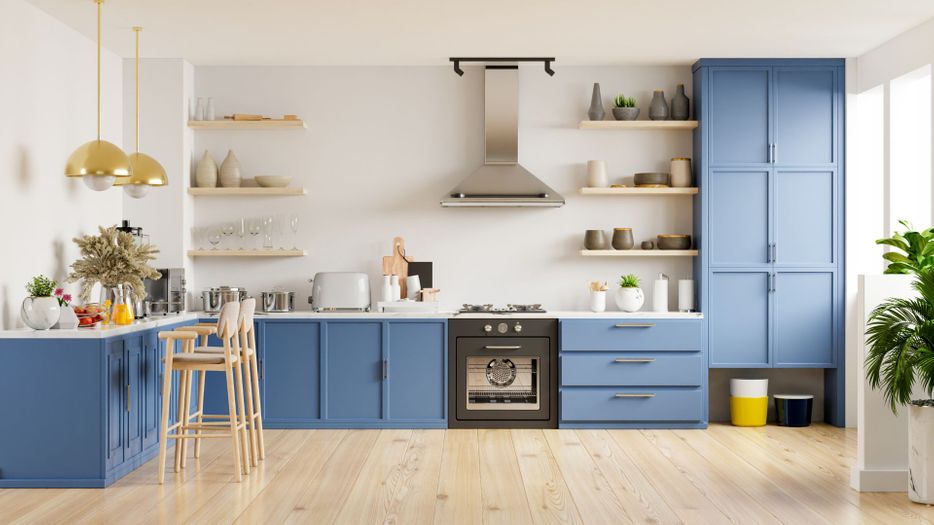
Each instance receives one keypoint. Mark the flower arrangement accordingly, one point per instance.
(40, 286)
(63, 298)
(112, 258)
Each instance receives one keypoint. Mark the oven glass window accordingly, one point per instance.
(503, 383)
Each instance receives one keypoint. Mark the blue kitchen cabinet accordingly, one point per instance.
(805, 222)
(151, 391)
(739, 218)
(291, 372)
(805, 120)
(417, 371)
(133, 375)
(738, 318)
(738, 116)
(804, 318)
(355, 370)
(116, 398)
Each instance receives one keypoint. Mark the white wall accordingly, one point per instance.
(384, 143)
(47, 99)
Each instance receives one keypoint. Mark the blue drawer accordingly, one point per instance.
(631, 334)
(618, 369)
(632, 404)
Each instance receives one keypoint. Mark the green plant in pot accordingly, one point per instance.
(917, 248)
(629, 297)
(900, 339)
(624, 108)
(40, 311)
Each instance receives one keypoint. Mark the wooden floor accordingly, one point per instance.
(720, 475)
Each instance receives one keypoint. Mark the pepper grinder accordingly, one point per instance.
(660, 294)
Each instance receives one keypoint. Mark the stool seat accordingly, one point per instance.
(203, 358)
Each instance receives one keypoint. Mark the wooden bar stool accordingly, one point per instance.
(189, 361)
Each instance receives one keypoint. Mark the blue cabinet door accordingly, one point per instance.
(134, 395)
(116, 402)
(739, 116)
(739, 218)
(804, 319)
(417, 371)
(738, 319)
(291, 371)
(152, 389)
(804, 115)
(804, 218)
(355, 370)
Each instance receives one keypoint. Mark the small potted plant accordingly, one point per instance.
(625, 108)
(67, 318)
(629, 297)
(917, 245)
(40, 310)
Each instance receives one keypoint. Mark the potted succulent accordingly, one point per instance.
(67, 318)
(40, 310)
(629, 297)
(900, 341)
(625, 108)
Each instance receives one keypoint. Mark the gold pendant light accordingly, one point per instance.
(98, 162)
(147, 171)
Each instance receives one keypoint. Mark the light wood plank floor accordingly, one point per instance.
(720, 475)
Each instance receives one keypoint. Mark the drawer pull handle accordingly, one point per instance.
(502, 347)
(635, 325)
(620, 394)
(634, 360)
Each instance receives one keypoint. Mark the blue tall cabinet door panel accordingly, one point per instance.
(738, 109)
(417, 371)
(804, 319)
(738, 235)
(804, 116)
(134, 396)
(115, 368)
(804, 218)
(354, 357)
(738, 319)
(291, 371)
(152, 389)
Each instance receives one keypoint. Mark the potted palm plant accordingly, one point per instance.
(900, 339)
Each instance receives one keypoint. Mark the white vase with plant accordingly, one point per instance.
(40, 311)
(67, 318)
(629, 297)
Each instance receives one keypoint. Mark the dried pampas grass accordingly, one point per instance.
(113, 258)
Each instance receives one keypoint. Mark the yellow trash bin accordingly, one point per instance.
(749, 402)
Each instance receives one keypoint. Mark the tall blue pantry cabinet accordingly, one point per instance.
(769, 159)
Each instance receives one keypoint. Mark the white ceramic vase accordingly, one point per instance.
(596, 174)
(40, 313)
(206, 173)
(921, 454)
(629, 299)
(598, 301)
(230, 171)
(67, 319)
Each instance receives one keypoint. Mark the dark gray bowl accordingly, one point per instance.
(674, 242)
(650, 179)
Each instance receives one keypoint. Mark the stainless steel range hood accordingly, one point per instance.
(502, 181)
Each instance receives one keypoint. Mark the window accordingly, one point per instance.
(910, 148)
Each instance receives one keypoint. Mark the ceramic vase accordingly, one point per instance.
(199, 109)
(209, 110)
(598, 301)
(625, 113)
(596, 174)
(658, 108)
(596, 111)
(206, 173)
(622, 239)
(386, 290)
(40, 313)
(66, 319)
(629, 299)
(230, 171)
(680, 105)
(595, 240)
(680, 171)
(921, 454)
(395, 288)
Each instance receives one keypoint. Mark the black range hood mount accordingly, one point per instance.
(510, 60)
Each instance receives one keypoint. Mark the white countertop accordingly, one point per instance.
(100, 331)
(305, 314)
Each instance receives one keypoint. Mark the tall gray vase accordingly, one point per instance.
(658, 108)
(596, 111)
(680, 105)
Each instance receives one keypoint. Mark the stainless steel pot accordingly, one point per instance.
(215, 298)
(278, 302)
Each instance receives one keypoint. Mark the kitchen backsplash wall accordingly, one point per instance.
(48, 105)
(384, 143)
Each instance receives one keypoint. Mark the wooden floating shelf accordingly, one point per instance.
(638, 191)
(246, 253)
(247, 124)
(638, 124)
(246, 192)
(639, 253)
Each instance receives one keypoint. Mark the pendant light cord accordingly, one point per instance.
(99, 2)
(137, 30)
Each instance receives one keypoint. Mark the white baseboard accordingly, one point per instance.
(873, 480)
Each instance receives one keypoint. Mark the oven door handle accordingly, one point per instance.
(502, 347)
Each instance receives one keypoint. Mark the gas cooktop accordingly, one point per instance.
(508, 309)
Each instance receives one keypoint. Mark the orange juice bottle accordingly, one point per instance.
(122, 314)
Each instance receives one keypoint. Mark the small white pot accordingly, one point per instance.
(629, 299)
(598, 301)
(921, 454)
(40, 313)
(67, 319)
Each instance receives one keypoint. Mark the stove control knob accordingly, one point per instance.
(502, 328)
(517, 328)
(487, 328)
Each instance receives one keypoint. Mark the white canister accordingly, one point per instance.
(680, 171)
(686, 295)
(199, 109)
(412, 286)
(596, 174)
(598, 301)
(385, 294)
(396, 288)
(209, 110)
(749, 387)
(660, 294)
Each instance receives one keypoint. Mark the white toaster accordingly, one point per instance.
(340, 291)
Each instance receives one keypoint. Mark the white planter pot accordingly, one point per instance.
(921, 454)
(629, 299)
(67, 319)
(40, 313)
(598, 301)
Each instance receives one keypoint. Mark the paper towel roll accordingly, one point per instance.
(686, 295)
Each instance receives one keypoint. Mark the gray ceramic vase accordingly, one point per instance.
(658, 109)
(680, 105)
(595, 240)
(596, 111)
(625, 113)
(622, 239)
(648, 245)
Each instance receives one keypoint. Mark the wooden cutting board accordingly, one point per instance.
(397, 263)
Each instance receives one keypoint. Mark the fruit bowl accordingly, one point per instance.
(89, 315)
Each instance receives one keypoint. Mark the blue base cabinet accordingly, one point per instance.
(79, 412)
(632, 373)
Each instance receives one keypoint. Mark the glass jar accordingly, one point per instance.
(122, 306)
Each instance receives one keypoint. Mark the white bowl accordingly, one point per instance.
(749, 387)
(273, 181)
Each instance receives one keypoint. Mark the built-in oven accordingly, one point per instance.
(503, 377)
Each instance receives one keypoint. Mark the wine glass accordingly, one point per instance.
(228, 230)
(255, 228)
(293, 225)
(241, 231)
(214, 237)
(267, 232)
